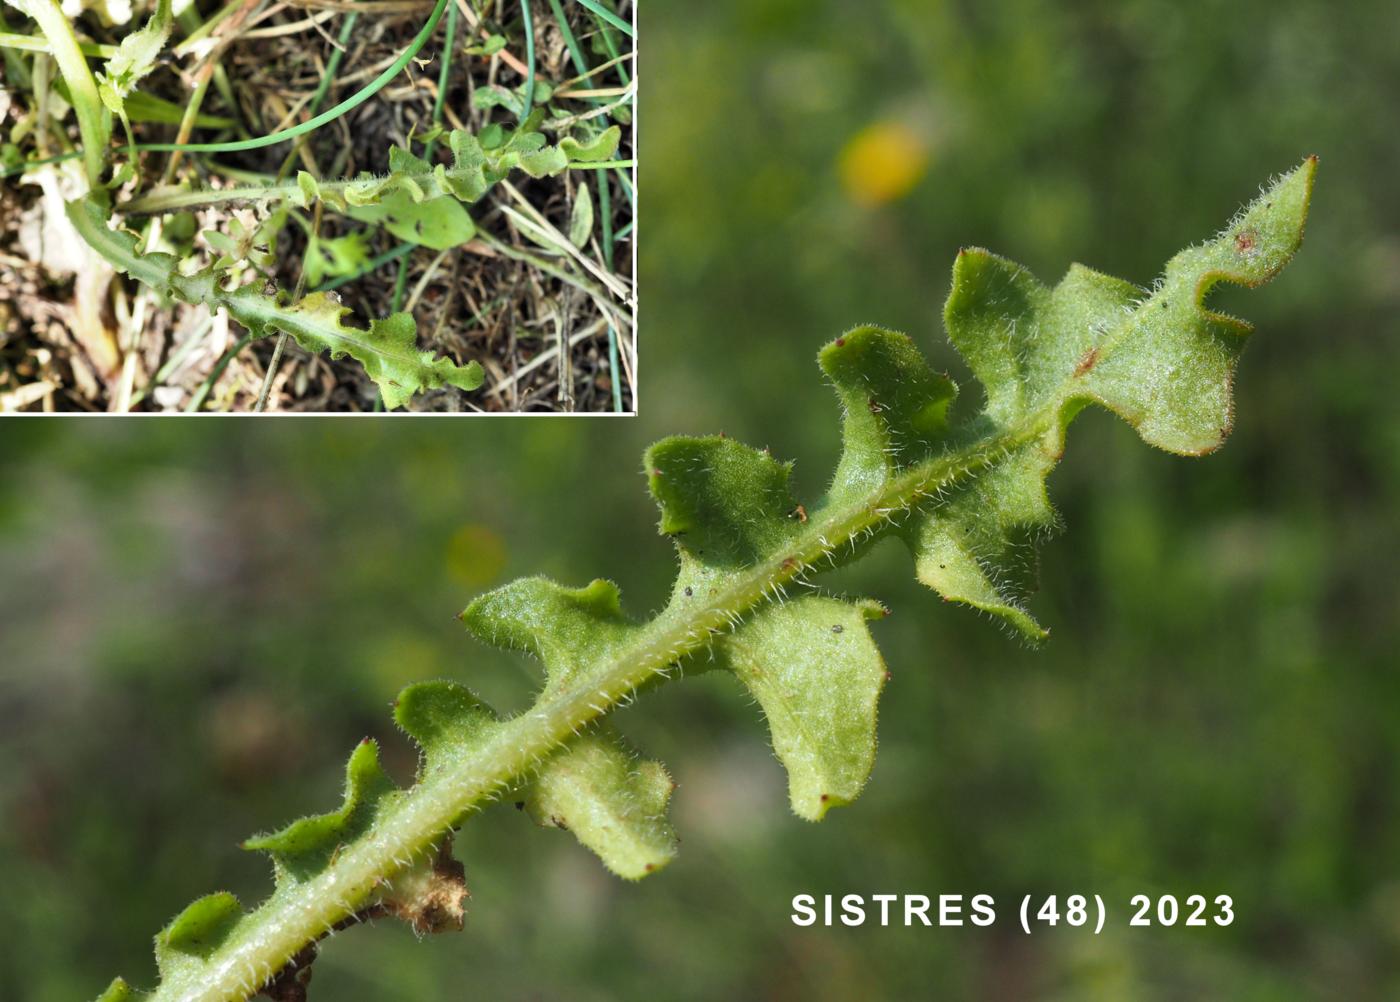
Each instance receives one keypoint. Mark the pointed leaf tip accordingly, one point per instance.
(1160, 359)
(1167, 364)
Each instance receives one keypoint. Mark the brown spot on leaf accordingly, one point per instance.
(1090, 359)
(1245, 241)
(800, 513)
(840, 342)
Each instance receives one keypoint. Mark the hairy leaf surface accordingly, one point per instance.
(613, 802)
(967, 497)
(816, 673)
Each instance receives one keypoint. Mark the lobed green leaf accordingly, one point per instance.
(814, 670)
(417, 201)
(614, 803)
(387, 349)
(304, 847)
(967, 497)
(134, 59)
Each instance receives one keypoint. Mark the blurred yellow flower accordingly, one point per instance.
(882, 162)
(476, 556)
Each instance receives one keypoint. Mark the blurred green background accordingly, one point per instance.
(201, 618)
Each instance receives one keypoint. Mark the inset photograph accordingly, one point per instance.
(317, 206)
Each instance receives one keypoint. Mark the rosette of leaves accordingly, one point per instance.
(967, 498)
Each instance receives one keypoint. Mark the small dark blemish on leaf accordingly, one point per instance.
(874, 406)
(1244, 241)
(825, 797)
(838, 628)
(888, 675)
(799, 513)
(520, 805)
(650, 866)
(689, 591)
(1086, 363)
(840, 342)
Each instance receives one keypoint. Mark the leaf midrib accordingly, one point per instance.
(516, 748)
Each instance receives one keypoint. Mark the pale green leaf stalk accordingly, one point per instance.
(94, 121)
(388, 349)
(968, 499)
